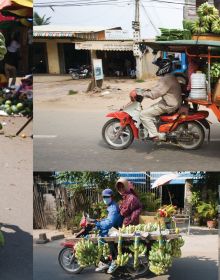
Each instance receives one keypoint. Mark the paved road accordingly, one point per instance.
(71, 140)
(199, 262)
(16, 204)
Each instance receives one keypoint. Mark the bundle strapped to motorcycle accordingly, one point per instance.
(195, 48)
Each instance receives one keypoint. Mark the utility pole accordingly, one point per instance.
(136, 40)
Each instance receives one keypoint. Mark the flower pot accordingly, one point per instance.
(212, 224)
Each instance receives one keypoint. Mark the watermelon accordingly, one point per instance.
(14, 109)
(8, 102)
(20, 106)
(8, 111)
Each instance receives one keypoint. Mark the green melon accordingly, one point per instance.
(8, 102)
(20, 106)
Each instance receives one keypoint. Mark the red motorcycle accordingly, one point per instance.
(185, 127)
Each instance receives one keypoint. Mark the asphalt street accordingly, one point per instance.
(198, 262)
(16, 204)
(71, 140)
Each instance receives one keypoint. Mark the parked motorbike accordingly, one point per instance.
(80, 73)
(69, 264)
(185, 128)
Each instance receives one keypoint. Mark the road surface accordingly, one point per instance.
(71, 140)
(16, 204)
(198, 262)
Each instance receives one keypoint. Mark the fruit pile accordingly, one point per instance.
(208, 20)
(149, 227)
(167, 211)
(89, 253)
(162, 253)
(86, 253)
(215, 72)
(173, 34)
(16, 106)
(122, 259)
(3, 49)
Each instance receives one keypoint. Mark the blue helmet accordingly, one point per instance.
(107, 192)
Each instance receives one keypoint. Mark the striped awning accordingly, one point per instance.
(53, 34)
(105, 45)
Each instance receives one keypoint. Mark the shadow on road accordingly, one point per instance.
(194, 268)
(203, 231)
(16, 257)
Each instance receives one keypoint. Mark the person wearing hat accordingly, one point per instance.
(130, 209)
(114, 219)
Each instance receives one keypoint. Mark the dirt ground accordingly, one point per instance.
(52, 92)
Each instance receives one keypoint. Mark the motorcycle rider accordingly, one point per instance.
(168, 89)
(114, 219)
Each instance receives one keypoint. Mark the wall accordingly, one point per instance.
(149, 69)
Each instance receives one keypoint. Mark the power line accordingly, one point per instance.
(155, 28)
(171, 2)
(81, 3)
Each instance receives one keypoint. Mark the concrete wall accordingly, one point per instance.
(149, 69)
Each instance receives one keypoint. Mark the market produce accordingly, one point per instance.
(207, 13)
(2, 240)
(86, 253)
(199, 27)
(160, 258)
(14, 106)
(122, 259)
(149, 227)
(215, 28)
(176, 245)
(215, 70)
(142, 249)
(173, 34)
(208, 20)
(3, 49)
(167, 211)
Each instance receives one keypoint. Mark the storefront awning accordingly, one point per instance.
(105, 45)
(53, 34)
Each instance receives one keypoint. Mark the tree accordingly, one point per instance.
(38, 20)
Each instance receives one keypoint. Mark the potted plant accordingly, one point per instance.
(209, 211)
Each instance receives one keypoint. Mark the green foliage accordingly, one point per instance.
(60, 217)
(72, 92)
(149, 201)
(75, 221)
(208, 211)
(100, 179)
(38, 20)
(99, 210)
(196, 197)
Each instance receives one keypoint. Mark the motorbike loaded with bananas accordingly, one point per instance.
(140, 249)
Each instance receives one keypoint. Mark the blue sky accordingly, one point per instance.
(153, 16)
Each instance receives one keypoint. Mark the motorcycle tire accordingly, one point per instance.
(75, 76)
(141, 271)
(68, 267)
(113, 145)
(198, 129)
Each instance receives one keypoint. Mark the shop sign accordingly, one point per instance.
(98, 69)
(104, 46)
(116, 35)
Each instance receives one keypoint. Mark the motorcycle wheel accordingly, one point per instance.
(195, 134)
(109, 131)
(68, 262)
(75, 76)
(141, 271)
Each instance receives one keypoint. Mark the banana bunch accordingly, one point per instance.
(2, 240)
(199, 27)
(215, 71)
(176, 244)
(216, 26)
(87, 253)
(3, 49)
(122, 259)
(142, 249)
(106, 251)
(160, 258)
(208, 13)
(149, 227)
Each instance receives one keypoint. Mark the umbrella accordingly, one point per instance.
(18, 8)
(164, 179)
